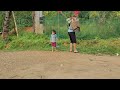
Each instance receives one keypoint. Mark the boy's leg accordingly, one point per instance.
(71, 47)
(52, 49)
(75, 50)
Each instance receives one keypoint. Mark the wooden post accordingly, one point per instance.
(15, 25)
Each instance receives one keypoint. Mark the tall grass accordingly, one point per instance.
(90, 29)
(31, 41)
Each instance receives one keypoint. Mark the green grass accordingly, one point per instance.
(108, 46)
(90, 29)
(31, 41)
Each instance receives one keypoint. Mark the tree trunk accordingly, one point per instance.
(41, 22)
(33, 20)
(38, 27)
(6, 24)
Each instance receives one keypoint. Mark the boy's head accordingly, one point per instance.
(53, 32)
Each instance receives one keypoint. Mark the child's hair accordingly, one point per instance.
(54, 31)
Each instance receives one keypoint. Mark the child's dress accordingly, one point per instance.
(53, 40)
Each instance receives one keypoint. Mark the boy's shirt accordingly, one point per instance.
(53, 38)
(70, 29)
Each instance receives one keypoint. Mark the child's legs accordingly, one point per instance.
(53, 46)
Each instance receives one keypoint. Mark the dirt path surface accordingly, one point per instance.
(57, 65)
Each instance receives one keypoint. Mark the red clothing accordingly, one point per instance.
(76, 13)
(53, 44)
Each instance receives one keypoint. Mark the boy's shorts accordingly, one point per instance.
(72, 37)
(53, 44)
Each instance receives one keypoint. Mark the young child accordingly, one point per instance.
(53, 40)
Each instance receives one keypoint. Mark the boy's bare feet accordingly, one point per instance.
(75, 51)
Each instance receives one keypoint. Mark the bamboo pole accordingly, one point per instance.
(64, 15)
(15, 23)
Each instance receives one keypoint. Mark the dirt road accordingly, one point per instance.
(57, 65)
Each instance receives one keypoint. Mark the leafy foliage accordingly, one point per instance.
(100, 32)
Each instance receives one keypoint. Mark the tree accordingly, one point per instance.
(6, 24)
(37, 24)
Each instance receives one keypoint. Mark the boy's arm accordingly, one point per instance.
(68, 20)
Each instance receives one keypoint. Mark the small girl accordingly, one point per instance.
(53, 40)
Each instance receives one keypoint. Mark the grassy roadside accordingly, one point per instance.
(30, 41)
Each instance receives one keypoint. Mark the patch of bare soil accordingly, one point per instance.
(57, 65)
